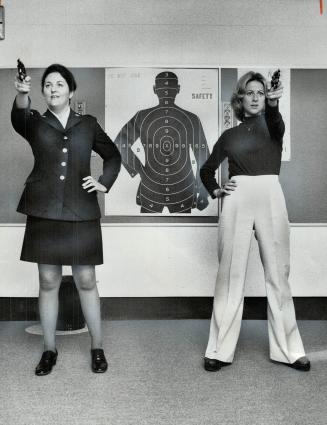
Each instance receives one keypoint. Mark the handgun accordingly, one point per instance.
(21, 70)
(275, 79)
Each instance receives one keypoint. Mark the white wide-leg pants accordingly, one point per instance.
(257, 203)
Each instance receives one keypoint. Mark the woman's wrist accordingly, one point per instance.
(217, 193)
(272, 102)
(21, 100)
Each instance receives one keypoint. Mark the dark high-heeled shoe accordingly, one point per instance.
(48, 360)
(99, 363)
(302, 364)
(213, 365)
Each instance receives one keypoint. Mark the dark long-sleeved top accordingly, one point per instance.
(253, 148)
(62, 156)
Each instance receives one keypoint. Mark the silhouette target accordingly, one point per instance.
(167, 133)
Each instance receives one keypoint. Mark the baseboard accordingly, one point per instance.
(146, 308)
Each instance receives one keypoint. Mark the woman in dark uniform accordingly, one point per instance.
(252, 199)
(60, 201)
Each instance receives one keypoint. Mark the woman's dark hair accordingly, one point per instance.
(237, 97)
(64, 72)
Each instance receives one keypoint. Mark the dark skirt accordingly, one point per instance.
(62, 242)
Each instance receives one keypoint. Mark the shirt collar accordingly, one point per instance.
(63, 118)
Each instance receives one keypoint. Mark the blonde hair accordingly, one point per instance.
(237, 96)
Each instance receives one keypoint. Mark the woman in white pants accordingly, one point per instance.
(252, 200)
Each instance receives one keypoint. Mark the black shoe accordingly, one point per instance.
(302, 364)
(213, 365)
(48, 360)
(99, 362)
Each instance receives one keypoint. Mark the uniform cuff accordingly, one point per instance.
(100, 181)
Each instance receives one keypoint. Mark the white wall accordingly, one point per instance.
(157, 261)
(165, 32)
(169, 261)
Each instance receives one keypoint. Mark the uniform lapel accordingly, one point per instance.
(52, 120)
(73, 119)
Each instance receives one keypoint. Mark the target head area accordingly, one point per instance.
(166, 85)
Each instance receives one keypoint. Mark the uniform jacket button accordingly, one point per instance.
(62, 177)
(65, 150)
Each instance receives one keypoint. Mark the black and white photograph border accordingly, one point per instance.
(157, 281)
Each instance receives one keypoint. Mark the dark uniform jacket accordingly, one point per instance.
(54, 190)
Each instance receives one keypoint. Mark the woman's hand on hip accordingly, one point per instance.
(90, 185)
(227, 189)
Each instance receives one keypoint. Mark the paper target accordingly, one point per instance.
(164, 147)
